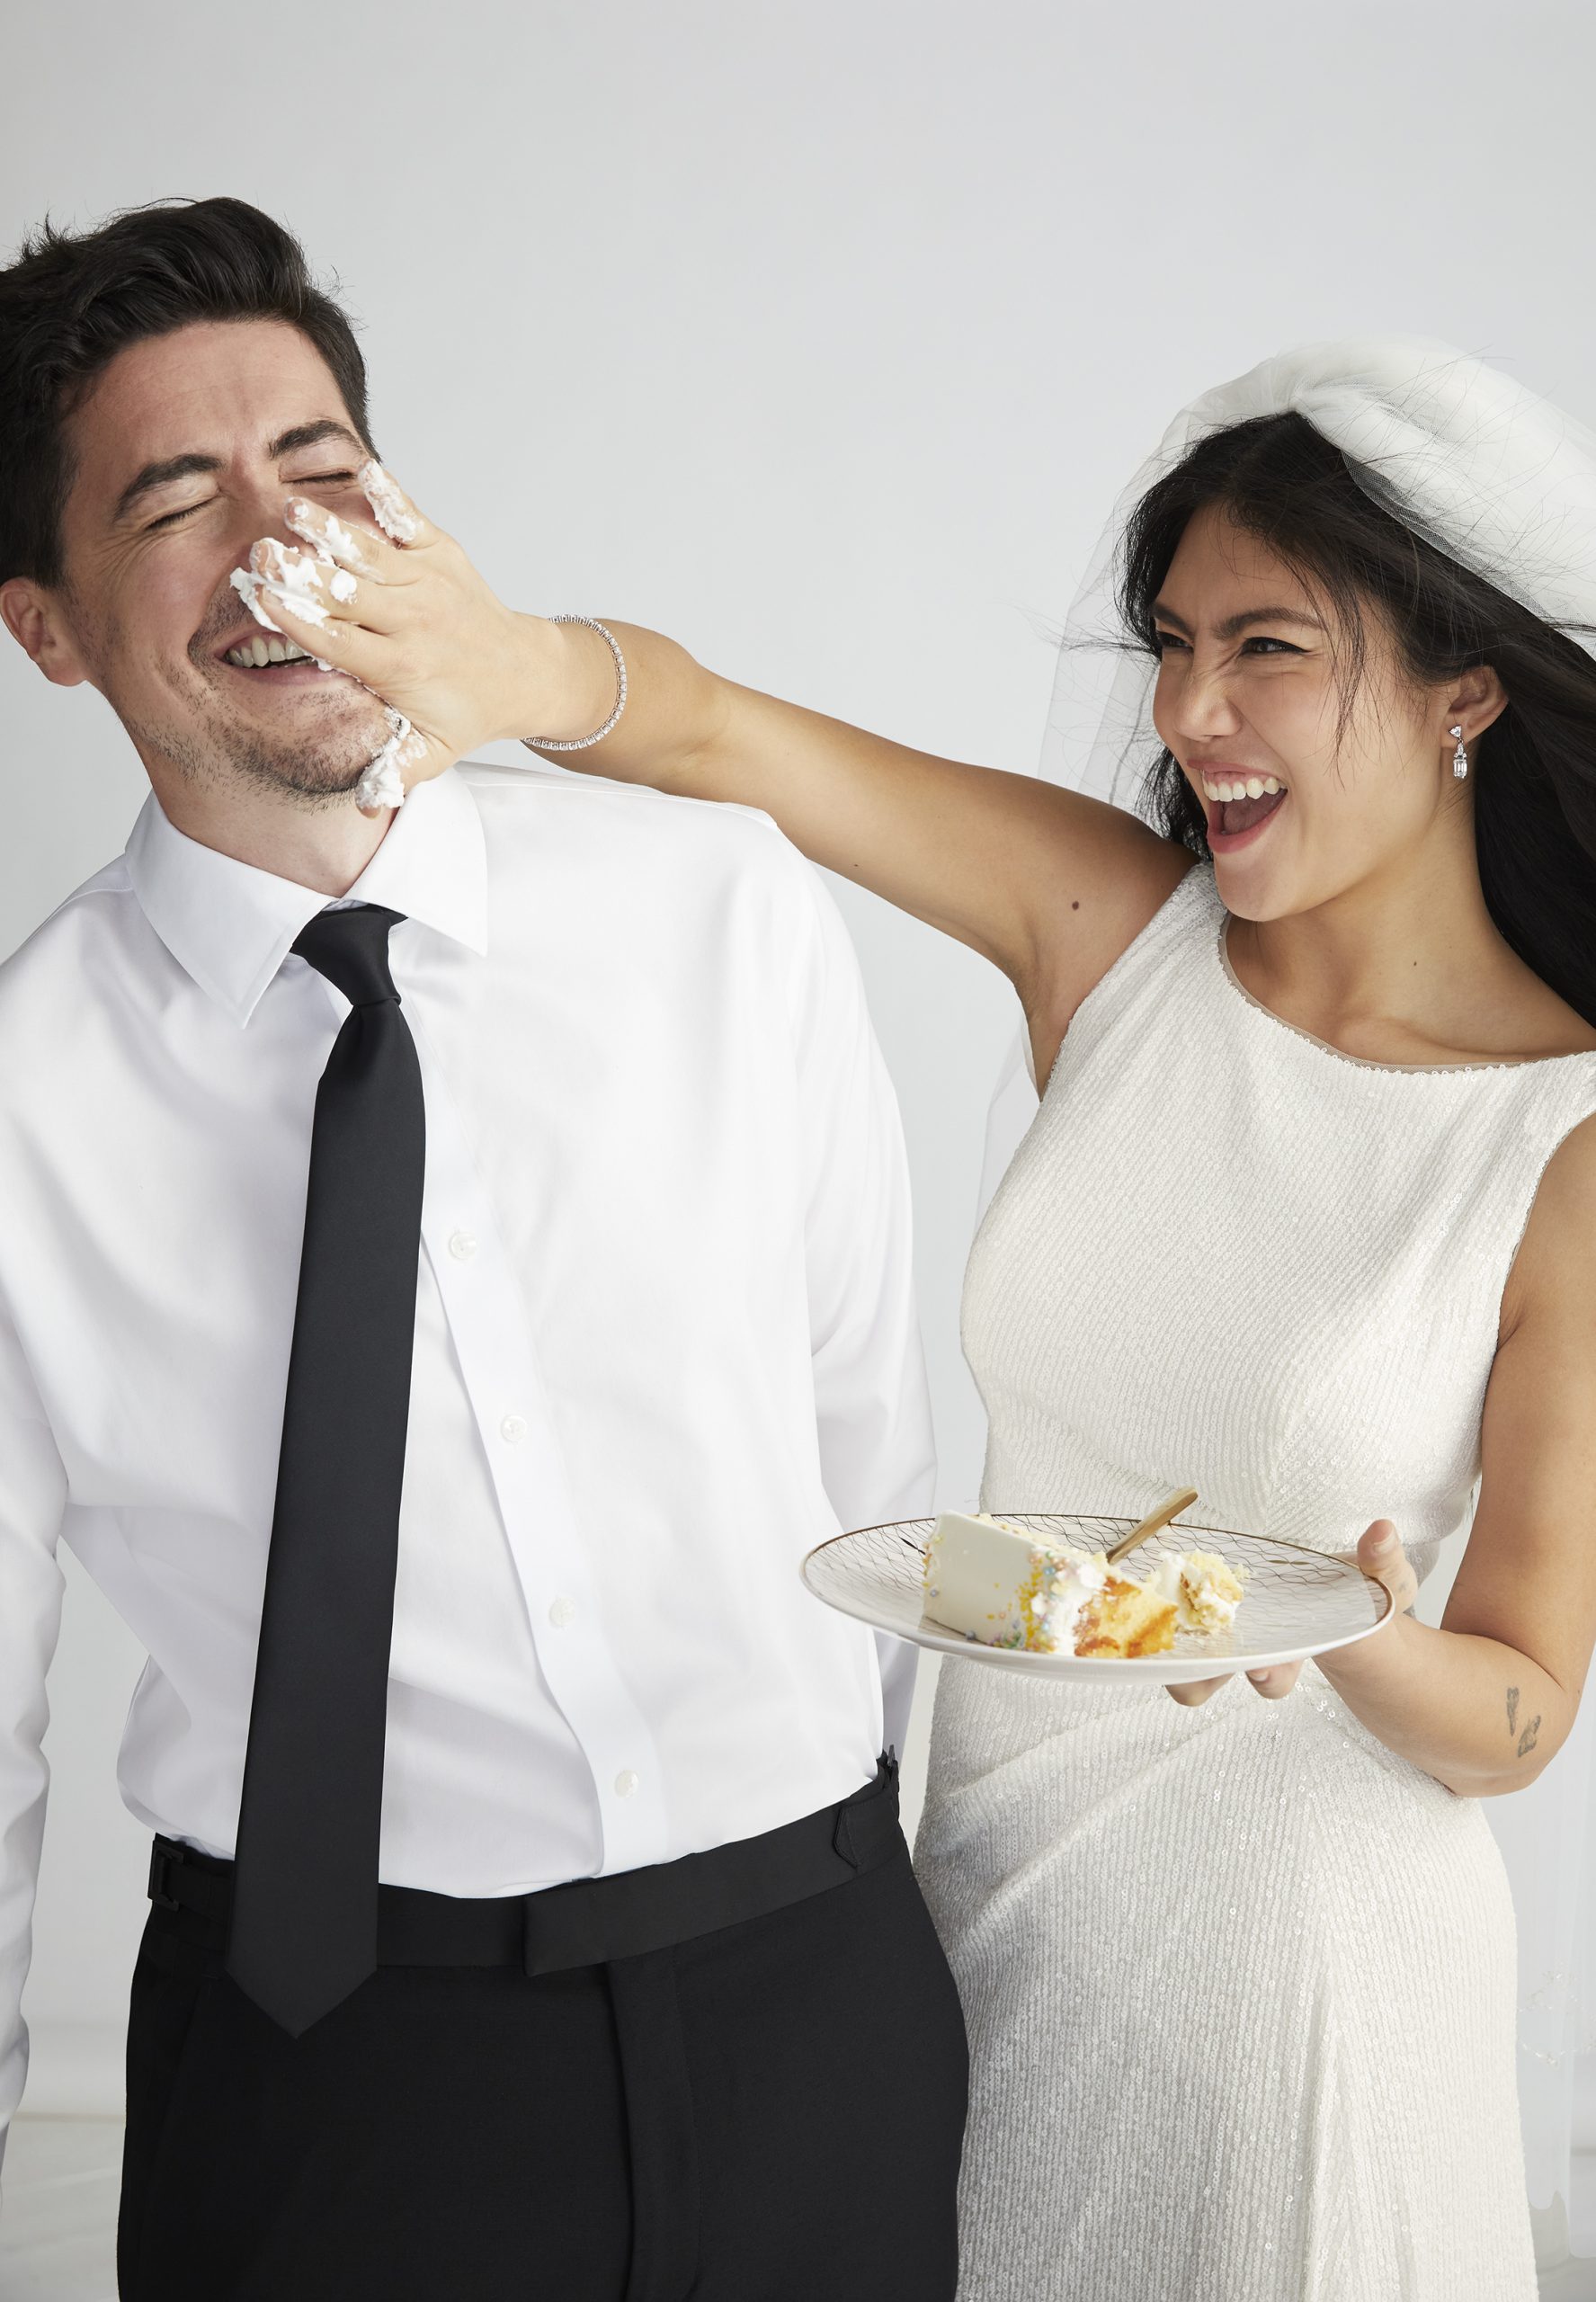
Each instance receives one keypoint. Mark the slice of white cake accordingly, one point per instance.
(1007, 1587)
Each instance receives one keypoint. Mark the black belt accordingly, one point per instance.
(586, 1922)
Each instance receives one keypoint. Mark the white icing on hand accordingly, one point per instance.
(339, 539)
(387, 505)
(296, 581)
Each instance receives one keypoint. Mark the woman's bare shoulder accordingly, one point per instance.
(1552, 1284)
(1111, 875)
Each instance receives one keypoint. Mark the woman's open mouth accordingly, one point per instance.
(1239, 806)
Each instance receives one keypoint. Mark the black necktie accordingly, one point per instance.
(303, 1926)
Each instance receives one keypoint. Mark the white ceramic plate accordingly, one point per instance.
(1295, 1603)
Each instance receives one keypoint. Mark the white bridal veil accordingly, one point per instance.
(1505, 484)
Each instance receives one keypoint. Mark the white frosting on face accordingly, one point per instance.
(387, 505)
(298, 578)
(383, 783)
(247, 584)
(299, 575)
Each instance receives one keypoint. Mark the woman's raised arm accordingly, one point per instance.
(1047, 884)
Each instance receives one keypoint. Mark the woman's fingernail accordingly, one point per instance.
(1384, 1539)
(1259, 1678)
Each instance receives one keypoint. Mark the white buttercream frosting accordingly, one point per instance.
(301, 576)
(399, 524)
(247, 584)
(383, 784)
(340, 539)
(1005, 1586)
(1061, 1593)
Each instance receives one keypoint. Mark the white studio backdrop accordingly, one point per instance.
(821, 338)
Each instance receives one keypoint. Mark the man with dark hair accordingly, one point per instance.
(454, 1264)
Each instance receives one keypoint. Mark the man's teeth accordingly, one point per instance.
(1253, 788)
(260, 650)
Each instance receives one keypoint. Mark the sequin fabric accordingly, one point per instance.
(1239, 1981)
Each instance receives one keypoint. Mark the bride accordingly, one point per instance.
(1306, 1219)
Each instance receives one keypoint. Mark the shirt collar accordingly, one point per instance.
(230, 925)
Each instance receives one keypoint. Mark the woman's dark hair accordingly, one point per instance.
(1535, 768)
(69, 302)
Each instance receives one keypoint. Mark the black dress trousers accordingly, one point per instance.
(773, 2112)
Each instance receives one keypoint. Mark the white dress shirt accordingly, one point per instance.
(666, 1337)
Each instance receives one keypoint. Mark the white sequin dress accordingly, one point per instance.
(1239, 1981)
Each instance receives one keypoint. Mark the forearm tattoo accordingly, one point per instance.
(1531, 1736)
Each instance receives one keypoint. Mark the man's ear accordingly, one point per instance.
(37, 621)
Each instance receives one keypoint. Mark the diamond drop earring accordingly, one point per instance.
(1459, 757)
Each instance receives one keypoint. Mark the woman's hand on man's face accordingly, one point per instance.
(1380, 1556)
(398, 607)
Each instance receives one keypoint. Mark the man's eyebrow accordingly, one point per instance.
(160, 475)
(307, 435)
(157, 476)
(1234, 625)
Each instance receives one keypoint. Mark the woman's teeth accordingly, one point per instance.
(260, 650)
(1253, 787)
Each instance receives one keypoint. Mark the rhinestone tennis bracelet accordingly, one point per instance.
(581, 743)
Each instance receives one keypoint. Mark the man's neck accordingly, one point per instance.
(325, 848)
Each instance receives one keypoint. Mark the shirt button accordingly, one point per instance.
(625, 1784)
(513, 1429)
(562, 1612)
(462, 1246)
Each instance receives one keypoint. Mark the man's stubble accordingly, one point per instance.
(319, 767)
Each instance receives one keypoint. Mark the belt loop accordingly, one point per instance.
(160, 1868)
(843, 1837)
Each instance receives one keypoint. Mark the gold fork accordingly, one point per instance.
(1170, 1508)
